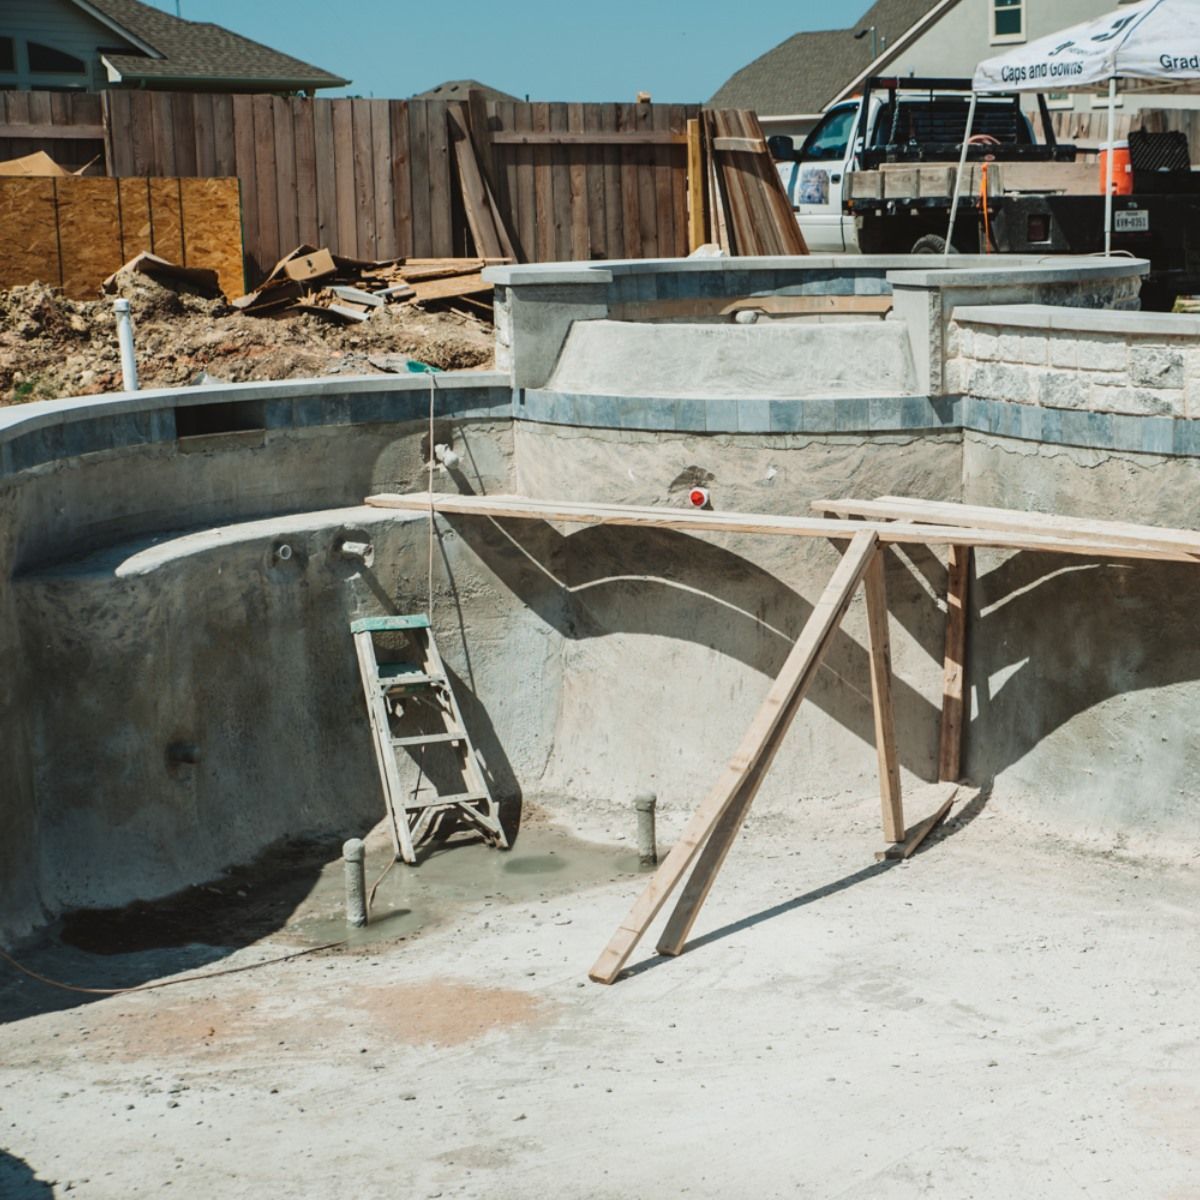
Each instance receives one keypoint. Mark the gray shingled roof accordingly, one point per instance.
(199, 51)
(457, 89)
(804, 73)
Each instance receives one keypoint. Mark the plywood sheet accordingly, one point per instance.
(212, 230)
(166, 216)
(136, 227)
(28, 221)
(89, 234)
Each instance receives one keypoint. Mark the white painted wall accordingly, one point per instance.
(64, 26)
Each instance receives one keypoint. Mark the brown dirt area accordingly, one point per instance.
(51, 347)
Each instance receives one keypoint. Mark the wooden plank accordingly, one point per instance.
(137, 229)
(308, 228)
(418, 146)
(445, 289)
(749, 145)
(543, 177)
(597, 198)
(212, 230)
(664, 199)
(363, 180)
(714, 306)
(49, 132)
(560, 174)
(525, 187)
(613, 243)
(647, 191)
(401, 180)
(89, 234)
(741, 777)
(474, 194)
(580, 231)
(644, 137)
(325, 166)
(897, 532)
(631, 225)
(166, 220)
(382, 191)
(441, 222)
(224, 149)
(954, 664)
(204, 150)
(890, 797)
(28, 216)
(697, 193)
(270, 247)
(345, 233)
(162, 125)
(912, 840)
(286, 192)
(118, 113)
(183, 133)
(1184, 542)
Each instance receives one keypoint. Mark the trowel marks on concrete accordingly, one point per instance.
(779, 360)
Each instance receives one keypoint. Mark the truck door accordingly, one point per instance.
(819, 177)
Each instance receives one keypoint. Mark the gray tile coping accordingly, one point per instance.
(1079, 320)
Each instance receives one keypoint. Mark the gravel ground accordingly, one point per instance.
(1003, 1016)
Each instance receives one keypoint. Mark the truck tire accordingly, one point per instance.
(929, 243)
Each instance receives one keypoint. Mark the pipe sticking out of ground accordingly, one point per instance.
(129, 373)
(647, 840)
(355, 854)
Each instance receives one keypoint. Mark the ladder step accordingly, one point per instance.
(448, 801)
(429, 739)
(405, 675)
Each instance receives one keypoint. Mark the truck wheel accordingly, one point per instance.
(930, 243)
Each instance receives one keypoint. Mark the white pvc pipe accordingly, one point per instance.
(962, 162)
(125, 341)
(1108, 187)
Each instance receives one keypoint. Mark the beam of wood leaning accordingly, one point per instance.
(690, 520)
(745, 771)
(954, 668)
(1181, 543)
(891, 801)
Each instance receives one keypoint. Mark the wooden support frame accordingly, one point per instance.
(954, 668)
(891, 801)
(738, 784)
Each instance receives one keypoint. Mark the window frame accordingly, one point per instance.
(995, 8)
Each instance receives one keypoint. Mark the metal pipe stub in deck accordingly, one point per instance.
(354, 851)
(646, 803)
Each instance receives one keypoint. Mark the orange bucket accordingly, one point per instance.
(1122, 183)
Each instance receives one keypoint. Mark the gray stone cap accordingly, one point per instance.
(1079, 320)
(1057, 268)
(20, 419)
(605, 271)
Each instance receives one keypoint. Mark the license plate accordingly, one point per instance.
(1134, 220)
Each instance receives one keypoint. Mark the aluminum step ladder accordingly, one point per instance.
(416, 690)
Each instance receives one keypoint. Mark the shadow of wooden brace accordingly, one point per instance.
(711, 831)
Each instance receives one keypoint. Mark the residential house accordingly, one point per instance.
(89, 45)
(793, 84)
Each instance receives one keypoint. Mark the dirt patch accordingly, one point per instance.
(445, 1012)
(52, 347)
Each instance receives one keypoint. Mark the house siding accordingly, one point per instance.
(63, 25)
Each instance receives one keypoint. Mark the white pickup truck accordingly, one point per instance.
(896, 120)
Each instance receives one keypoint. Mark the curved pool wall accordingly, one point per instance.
(176, 694)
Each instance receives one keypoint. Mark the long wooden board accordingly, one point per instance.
(741, 778)
(954, 664)
(899, 532)
(1182, 543)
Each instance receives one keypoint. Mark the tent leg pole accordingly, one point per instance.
(962, 162)
(1108, 186)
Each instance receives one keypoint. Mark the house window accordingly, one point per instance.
(8, 54)
(45, 60)
(1008, 20)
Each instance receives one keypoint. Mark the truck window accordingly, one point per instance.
(828, 141)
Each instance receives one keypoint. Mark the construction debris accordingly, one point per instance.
(351, 289)
(196, 281)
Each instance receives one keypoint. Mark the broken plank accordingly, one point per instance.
(740, 778)
(918, 833)
(898, 532)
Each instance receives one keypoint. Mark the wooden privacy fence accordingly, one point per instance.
(69, 126)
(380, 179)
(74, 232)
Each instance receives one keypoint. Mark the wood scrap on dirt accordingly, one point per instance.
(350, 289)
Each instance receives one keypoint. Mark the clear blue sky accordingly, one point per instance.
(550, 49)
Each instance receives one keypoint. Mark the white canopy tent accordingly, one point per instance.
(1153, 46)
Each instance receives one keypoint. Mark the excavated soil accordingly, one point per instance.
(52, 347)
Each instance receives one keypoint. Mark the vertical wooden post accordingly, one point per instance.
(881, 696)
(697, 178)
(954, 668)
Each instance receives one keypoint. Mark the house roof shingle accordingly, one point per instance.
(802, 74)
(457, 89)
(198, 50)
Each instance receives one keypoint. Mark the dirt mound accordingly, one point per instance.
(52, 347)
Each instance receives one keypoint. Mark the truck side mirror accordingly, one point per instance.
(782, 148)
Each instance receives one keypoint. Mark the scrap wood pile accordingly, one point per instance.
(351, 289)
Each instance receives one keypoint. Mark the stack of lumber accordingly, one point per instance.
(351, 289)
(736, 197)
